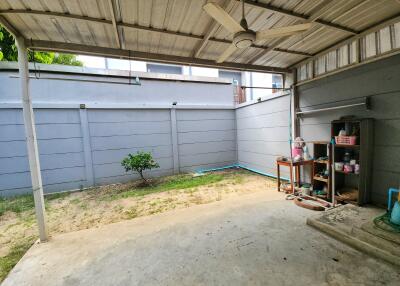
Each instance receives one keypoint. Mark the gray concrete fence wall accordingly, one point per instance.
(379, 80)
(84, 147)
(206, 139)
(263, 134)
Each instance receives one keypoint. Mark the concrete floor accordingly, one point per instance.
(354, 226)
(251, 240)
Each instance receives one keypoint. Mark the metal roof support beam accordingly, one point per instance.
(211, 29)
(137, 27)
(114, 23)
(371, 29)
(298, 16)
(9, 27)
(137, 55)
(311, 19)
(31, 140)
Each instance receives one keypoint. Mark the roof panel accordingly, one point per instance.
(89, 22)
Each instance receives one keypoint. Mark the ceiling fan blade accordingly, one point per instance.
(229, 51)
(282, 32)
(222, 17)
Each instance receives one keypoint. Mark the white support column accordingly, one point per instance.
(294, 102)
(87, 148)
(174, 134)
(30, 132)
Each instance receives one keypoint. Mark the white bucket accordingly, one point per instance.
(339, 166)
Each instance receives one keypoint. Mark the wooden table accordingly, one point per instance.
(296, 165)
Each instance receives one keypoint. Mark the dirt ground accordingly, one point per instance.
(93, 208)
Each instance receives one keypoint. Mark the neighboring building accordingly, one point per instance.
(257, 83)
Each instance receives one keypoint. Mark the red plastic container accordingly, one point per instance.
(297, 151)
(346, 140)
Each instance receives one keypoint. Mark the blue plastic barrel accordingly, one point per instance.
(395, 210)
(395, 216)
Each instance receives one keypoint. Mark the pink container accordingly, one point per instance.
(348, 168)
(297, 152)
(346, 140)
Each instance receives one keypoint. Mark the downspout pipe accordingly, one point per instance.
(239, 166)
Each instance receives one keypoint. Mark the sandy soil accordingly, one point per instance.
(87, 209)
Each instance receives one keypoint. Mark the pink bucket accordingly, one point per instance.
(297, 152)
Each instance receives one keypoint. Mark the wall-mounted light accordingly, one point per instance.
(137, 81)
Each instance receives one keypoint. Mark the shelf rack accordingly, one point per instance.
(352, 183)
(322, 149)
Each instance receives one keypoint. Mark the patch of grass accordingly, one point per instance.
(17, 204)
(22, 203)
(238, 180)
(75, 201)
(131, 213)
(29, 220)
(14, 255)
(55, 196)
(84, 206)
(166, 184)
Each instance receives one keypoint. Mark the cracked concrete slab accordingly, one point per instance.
(250, 240)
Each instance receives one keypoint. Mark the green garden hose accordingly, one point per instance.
(383, 222)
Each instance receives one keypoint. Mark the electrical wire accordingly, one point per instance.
(130, 67)
(35, 70)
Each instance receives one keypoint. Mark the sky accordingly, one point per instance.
(100, 62)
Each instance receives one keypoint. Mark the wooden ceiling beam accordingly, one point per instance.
(137, 55)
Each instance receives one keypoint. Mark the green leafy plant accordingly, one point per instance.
(9, 52)
(139, 162)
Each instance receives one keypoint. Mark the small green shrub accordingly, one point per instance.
(139, 162)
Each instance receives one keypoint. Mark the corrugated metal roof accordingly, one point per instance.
(174, 28)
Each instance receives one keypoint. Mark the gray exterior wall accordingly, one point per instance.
(115, 133)
(84, 147)
(263, 134)
(206, 139)
(98, 88)
(381, 81)
(60, 146)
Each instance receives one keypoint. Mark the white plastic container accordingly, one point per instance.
(339, 166)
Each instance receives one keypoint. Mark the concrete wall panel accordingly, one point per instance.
(206, 139)
(75, 154)
(263, 134)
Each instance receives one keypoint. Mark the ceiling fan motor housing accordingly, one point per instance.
(244, 39)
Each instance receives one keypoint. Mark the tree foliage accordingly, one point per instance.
(9, 52)
(139, 162)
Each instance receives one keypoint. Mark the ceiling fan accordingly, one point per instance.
(243, 37)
